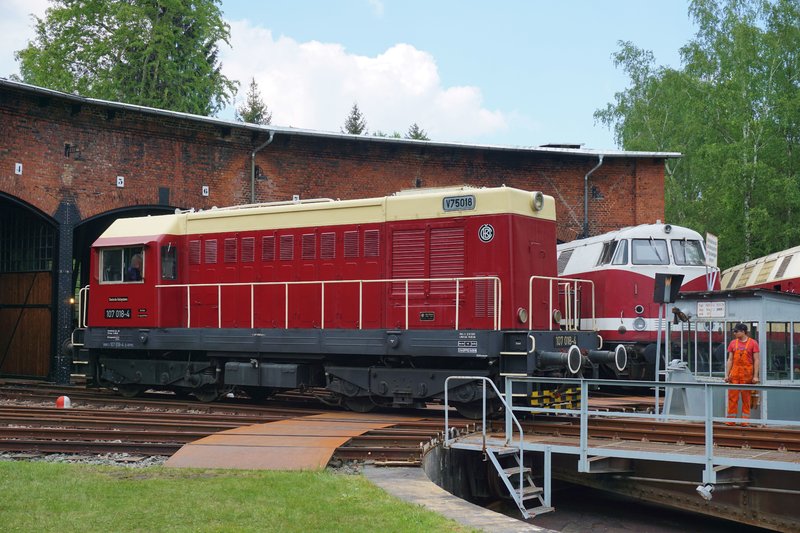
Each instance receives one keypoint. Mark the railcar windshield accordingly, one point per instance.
(686, 252)
(649, 252)
(122, 265)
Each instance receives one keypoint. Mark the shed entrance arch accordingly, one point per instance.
(27, 262)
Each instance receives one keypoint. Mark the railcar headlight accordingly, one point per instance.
(639, 324)
(522, 315)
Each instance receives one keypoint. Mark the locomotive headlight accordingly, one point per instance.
(639, 324)
(556, 316)
(522, 315)
(639, 309)
(537, 201)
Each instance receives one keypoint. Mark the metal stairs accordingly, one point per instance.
(525, 492)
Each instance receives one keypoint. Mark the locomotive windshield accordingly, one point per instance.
(649, 252)
(122, 265)
(688, 252)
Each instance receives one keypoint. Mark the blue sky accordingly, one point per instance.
(510, 72)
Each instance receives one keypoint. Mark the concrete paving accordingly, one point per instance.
(412, 485)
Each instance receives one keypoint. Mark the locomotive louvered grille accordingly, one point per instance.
(447, 259)
(372, 243)
(350, 244)
(287, 247)
(784, 265)
(563, 260)
(484, 298)
(309, 246)
(408, 260)
(248, 249)
(194, 252)
(732, 279)
(766, 268)
(268, 248)
(211, 251)
(230, 250)
(327, 246)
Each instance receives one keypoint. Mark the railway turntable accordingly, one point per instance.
(694, 463)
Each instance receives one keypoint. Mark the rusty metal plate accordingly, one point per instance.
(305, 443)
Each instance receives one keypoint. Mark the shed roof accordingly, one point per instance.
(563, 149)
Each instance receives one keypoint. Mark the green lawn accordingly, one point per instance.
(36, 497)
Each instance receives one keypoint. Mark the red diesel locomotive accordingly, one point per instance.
(379, 300)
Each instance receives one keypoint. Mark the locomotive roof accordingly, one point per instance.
(407, 205)
(776, 267)
(642, 231)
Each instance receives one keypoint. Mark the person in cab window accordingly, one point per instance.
(134, 270)
(741, 367)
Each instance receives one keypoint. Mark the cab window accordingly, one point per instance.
(169, 262)
(688, 252)
(649, 252)
(621, 255)
(122, 265)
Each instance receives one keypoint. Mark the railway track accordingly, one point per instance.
(100, 424)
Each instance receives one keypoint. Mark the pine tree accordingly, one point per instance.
(415, 132)
(355, 124)
(253, 110)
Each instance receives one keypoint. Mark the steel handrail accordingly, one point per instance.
(496, 308)
(509, 415)
(565, 282)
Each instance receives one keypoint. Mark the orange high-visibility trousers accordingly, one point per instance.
(741, 372)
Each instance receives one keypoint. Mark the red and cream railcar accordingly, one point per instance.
(623, 265)
(377, 299)
(779, 271)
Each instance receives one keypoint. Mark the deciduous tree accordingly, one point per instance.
(733, 110)
(158, 53)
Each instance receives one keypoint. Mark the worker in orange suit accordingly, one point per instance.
(741, 367)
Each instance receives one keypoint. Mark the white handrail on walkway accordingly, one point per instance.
(571, 286)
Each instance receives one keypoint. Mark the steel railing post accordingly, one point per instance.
(583, 462)
(709, 475)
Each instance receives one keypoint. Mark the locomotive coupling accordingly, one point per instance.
(572, 359)
(618, 357)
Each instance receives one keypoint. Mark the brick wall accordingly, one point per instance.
(153, 151)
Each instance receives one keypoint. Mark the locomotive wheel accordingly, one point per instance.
(359, 404)
(206, 394)
(130, 391)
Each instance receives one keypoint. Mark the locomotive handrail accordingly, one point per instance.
(570, 285)
(83, 300)
(497, 294)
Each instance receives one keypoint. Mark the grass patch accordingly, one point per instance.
(81, 498)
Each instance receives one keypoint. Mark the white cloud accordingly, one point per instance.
(16, 29)
(313, 85)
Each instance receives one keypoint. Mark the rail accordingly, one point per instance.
(711, 458)
(571, 301)
(448, 439)
(496, 287)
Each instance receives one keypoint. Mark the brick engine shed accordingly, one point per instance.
(70, 165)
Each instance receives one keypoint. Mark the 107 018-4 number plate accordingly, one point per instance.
(118, 313)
